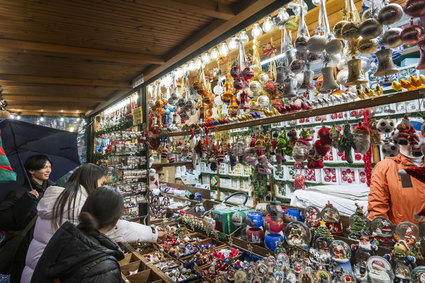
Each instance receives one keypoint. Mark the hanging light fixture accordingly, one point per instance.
(256, 30)
(244, 37)
(192, 66)
(206, 58)
(178, 73)
(41, 119)
(198, 63)
(19, 116)
(233, 43)
(268, 24)
(214, 54)
(224, 50)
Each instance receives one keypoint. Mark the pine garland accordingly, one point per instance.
(259, 182)
(118, 127)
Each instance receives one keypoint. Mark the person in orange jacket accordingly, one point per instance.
(397, 189)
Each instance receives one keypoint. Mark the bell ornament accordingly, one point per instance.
(391, 38)
(289, 88)
(415, 8)
(390, 14)
(386, 65)
(307, 82)
(370, 28)
(367, 46)
(412, 34)
(329, 83)
(355, 73)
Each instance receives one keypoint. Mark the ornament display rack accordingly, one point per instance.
(347, 106)
(132, 190)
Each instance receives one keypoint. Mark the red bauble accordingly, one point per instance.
(248, 73)
(235, 72)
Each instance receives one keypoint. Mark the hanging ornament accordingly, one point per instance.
(361, 138)
(346, 143)
(302, 146)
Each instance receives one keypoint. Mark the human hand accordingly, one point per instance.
(161, 236)
(34, 193)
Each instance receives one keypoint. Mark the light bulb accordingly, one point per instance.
(283, 15)
(12, 116)
(223, 49)
(244, 37)
(268, 24)
(41, 119)
(192, 66)
(18, 117)
(198, 63)
(78, 119)
(178, 73)
(62, 119)
(206, 58)
(233, 43)
(214, 54)
(256, 31)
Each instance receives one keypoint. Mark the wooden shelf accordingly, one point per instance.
(206, 194)
(348, 106)
(174, 164)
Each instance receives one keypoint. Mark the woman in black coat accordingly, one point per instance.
(83, 253)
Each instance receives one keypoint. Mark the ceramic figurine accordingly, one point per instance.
(363, 250)
(401, 262)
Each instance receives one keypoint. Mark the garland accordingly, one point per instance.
(118, 127)
(259, 182)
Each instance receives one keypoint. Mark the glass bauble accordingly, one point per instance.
(412, 34)
(415, 8)
(391, 38)
(390, 14)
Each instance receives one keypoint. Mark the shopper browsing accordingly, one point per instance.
(61, 204)
(17, 215)
(84, 253)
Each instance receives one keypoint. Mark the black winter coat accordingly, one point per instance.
(74, 256)
(16, 211)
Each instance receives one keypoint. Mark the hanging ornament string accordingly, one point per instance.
(367, 157)
(323, 22)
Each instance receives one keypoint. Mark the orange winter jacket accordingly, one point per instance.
(388, 197)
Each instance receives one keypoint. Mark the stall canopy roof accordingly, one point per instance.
(68, 57)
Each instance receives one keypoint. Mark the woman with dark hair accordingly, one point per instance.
(18, 212)
(84, 253)
(64, 204)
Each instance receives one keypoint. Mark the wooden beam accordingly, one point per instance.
(348, 106)
(45, 113)
(114, 56)
(11, 79)
(46, 108)
(17, 98)
(210, 8)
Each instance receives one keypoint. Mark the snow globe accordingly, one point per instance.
(332, 218)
